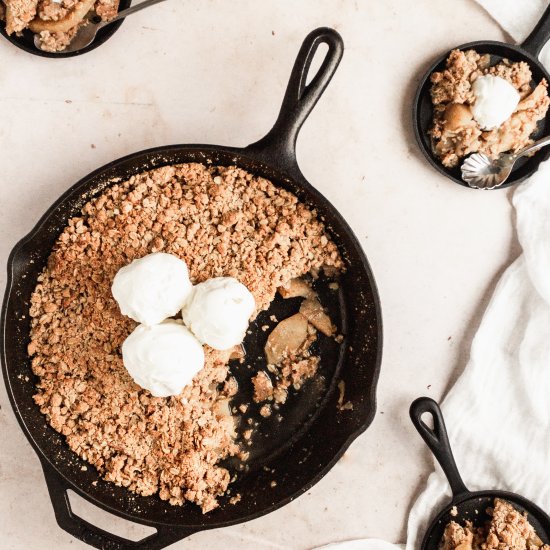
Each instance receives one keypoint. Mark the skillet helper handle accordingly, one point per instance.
(94, 536)
(437, 440)
(539, 35)
(279, 145)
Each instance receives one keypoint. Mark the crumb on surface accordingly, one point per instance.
(235, 499)
(266, 411)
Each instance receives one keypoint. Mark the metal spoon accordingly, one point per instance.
(87, 33)
(481, 172)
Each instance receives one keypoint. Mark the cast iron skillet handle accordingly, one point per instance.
(278, 147)
(539, 35)
(94, 536)
(437, 440)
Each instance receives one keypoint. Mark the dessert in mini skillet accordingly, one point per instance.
(143, 302)
(55, 21)
(479, 107)
(508, 529)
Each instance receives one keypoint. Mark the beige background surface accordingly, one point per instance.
(215, 71)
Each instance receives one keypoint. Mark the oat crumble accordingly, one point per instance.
(55, 22)
(508, 529)
(455, 133)
(173, 445)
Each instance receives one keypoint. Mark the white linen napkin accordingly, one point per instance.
(498, 412)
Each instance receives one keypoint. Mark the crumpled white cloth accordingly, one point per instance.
(498, 412)
(517, 17)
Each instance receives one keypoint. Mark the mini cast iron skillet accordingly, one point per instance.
(471, 506)
(528, 52)
(293, 448)
(25, 41)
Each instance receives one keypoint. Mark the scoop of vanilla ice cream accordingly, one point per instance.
(218, 312)
(162, 358)
(152, 288)
(496, 100)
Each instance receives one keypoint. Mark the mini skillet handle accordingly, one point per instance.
(539, 35)
(94, 536)
(437, 440)
(278, 147)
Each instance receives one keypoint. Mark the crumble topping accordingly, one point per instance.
(18, 14)
(455, 133)
(222, 222)
(55, 22)
(508, 529)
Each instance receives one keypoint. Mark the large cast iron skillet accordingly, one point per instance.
(299, 443)
(529, 52)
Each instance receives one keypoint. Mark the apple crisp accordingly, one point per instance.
(455, 132)
(508, 529)
(222, 221)
(55, 21)
(287, 350)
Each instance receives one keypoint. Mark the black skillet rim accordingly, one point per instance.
(102, 36)
(419, 136)
(371, 395)
(512, 498)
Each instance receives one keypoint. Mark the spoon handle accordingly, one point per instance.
(134, 9)
(533, 147)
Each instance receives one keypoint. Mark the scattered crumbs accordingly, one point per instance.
(92, 145)
(68, 101)
(84, 468)
(243, 408)
(235, 499)
(273, 318)
(244, 455)
(448, 338)
(26, 378)
(273, 484)
(249, 421)
(347, 406)
(454, 511)
(265, 327)
(381, 412)
(339, 339)
(94, 483)
(263, 387)
(333, 286)
(265, 411)
(341, 389)
(247, 434)
(272, 33)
